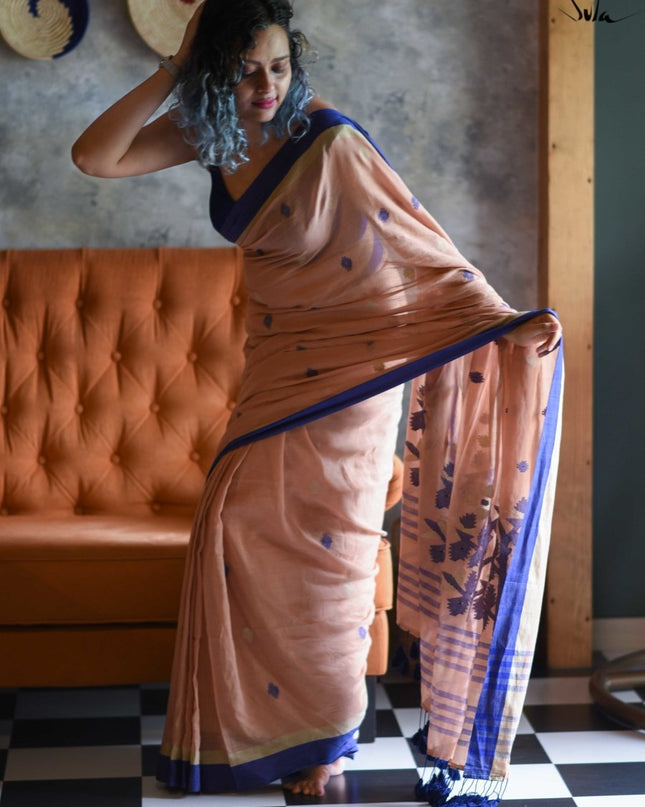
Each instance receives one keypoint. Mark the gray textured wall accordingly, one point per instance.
(447, 87)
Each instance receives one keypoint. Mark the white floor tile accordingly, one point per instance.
(610, 801)
(154, 795)
(571, 747)
(524, 727)
(558, 690)
(152, 729)
(385, 753)
(50, 703)
(5, 733)
(95, 762)
(535, 782)
(627, 696)
(408, 720)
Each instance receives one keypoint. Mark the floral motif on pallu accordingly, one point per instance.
(475, 522)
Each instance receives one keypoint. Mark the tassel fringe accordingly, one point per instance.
(442, 785)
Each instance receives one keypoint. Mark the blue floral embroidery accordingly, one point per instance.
(346, 263)
(383, 214)
(285, 210)
(418, 417)
(415, 203)
(273, 690)
(311, 372)
(268, 321)
(482, 595)
(362, 632)
(442, 499)
(468, 275)
(476, 378)
(522, 466)
(327, 541)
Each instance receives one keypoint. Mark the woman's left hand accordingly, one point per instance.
(543, 333)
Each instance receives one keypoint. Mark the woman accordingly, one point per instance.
(353, 289)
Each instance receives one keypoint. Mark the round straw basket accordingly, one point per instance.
(161, 23)
(43, 29)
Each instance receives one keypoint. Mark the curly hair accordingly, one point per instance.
(205, 92)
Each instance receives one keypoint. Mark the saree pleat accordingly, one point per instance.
(353, 289)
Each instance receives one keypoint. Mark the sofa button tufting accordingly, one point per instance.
(40, 355)
(155, 507)
(79, 511)
(79, 408)
(80, 302)
(230, 405)
(4, 410)
(116, 356)
(157, 304)
(42, 460)
(115, 459)
(195, 455)
(154, 407)
(192, 357)
(6, 303)
(236, 300)
(4, 511)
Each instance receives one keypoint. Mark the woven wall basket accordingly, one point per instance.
(43, 29)
(161, 23)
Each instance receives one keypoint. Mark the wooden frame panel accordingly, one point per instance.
(566, 284)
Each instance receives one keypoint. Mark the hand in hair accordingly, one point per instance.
(189, 34)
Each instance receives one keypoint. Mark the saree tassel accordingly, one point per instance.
(447, 787)
(420, 739)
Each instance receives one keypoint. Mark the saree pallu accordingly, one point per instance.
(354, 289)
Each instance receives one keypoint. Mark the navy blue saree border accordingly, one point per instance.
(392, 378)
(221, 778)
(231, 217)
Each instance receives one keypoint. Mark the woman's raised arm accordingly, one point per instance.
(120, 142)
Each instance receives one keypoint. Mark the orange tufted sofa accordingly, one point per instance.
(119, 370)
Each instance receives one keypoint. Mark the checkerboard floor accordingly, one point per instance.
(97, 748)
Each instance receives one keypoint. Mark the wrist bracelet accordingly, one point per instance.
(169, 66)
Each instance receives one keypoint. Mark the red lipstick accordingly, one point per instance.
(265, 103)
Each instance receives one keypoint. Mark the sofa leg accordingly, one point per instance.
(368, 726)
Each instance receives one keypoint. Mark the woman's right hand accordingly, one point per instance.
(189, 34)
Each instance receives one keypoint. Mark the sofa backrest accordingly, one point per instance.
(120, 368)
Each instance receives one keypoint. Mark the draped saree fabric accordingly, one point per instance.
(354, 289)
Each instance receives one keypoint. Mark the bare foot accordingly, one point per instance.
(312, 781)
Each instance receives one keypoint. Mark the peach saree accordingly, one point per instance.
(354, 289)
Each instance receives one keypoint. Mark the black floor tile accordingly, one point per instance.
(364, 787)
(568, 717)
(154, 701)
(528, 751)
(149, 757)
(386, 724)
(403, 696)
(76, 732)
(7, 704)
(73, 793)
(3, 763)
(605, 779)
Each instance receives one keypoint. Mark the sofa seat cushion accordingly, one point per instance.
(78, 570)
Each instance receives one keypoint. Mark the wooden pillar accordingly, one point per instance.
(566, 284)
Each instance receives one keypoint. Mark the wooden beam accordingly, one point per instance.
(566, 284)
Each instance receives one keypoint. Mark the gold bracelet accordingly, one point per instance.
(168, 65)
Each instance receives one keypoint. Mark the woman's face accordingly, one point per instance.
(266, 76)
